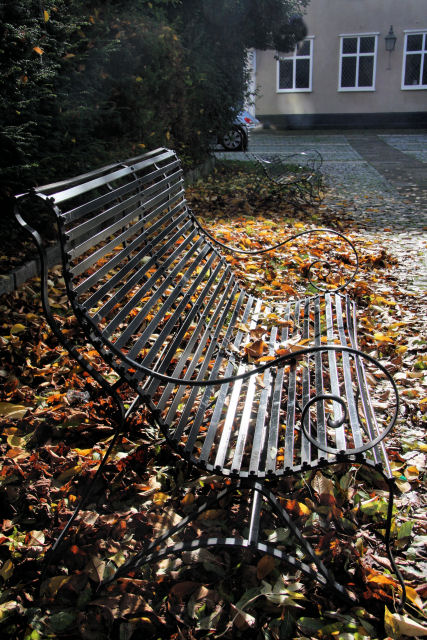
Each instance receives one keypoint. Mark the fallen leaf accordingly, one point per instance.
(265, 566)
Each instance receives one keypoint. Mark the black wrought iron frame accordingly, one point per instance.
(258, 485)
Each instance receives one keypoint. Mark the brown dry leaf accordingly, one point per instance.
(256, 349)
(322, 485)
(95, 568)
(188, 499)
(183, 589)
(124, 605)
(211, 514)
(265, 566)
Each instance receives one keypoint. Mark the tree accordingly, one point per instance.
(84, 83)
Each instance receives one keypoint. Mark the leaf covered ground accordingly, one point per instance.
(55, 427)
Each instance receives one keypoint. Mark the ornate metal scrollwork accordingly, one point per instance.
(335, 424)
(254, 252)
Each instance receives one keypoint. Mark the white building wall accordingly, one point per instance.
(326, 21)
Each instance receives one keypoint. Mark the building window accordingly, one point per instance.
(414, 74)
(358, 56)
(294, 71)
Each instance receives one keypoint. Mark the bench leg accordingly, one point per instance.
(53, 552)
(391, 486)
(158, 550)
(120, 428)
(323, 575)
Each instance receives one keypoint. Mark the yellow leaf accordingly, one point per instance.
(7, 570)
(52, 586)
(46, 15)
(38, 50)
(17, 452)
(380, 578)
(66, 475)
(412, 473)
(413, 596)
(17, 328)
(83, 452)
(160, 498)
(138, 79)
(402, 349)
(12, 411)
(211, 514)
(380, 337)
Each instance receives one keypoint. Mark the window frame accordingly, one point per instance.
(414, 32)
(294, 57)
(358, 55)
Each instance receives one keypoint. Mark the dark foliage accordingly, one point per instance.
(84, 83)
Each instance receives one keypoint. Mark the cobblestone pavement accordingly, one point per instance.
(371, 195)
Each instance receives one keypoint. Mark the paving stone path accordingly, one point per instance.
(378, 179)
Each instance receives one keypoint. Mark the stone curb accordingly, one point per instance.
(16, 278)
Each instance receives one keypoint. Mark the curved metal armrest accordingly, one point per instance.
(283, 243)
(289, 357)
(335, 424)
(53, 323)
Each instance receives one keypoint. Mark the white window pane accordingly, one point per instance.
(304, 49)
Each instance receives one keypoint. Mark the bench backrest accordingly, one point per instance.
(137, 270)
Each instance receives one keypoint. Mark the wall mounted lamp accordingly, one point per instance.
(390, 40)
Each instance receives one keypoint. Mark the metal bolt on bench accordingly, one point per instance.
(157, 299)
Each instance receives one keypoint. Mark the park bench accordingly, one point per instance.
(297, 173)
(250, 390)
